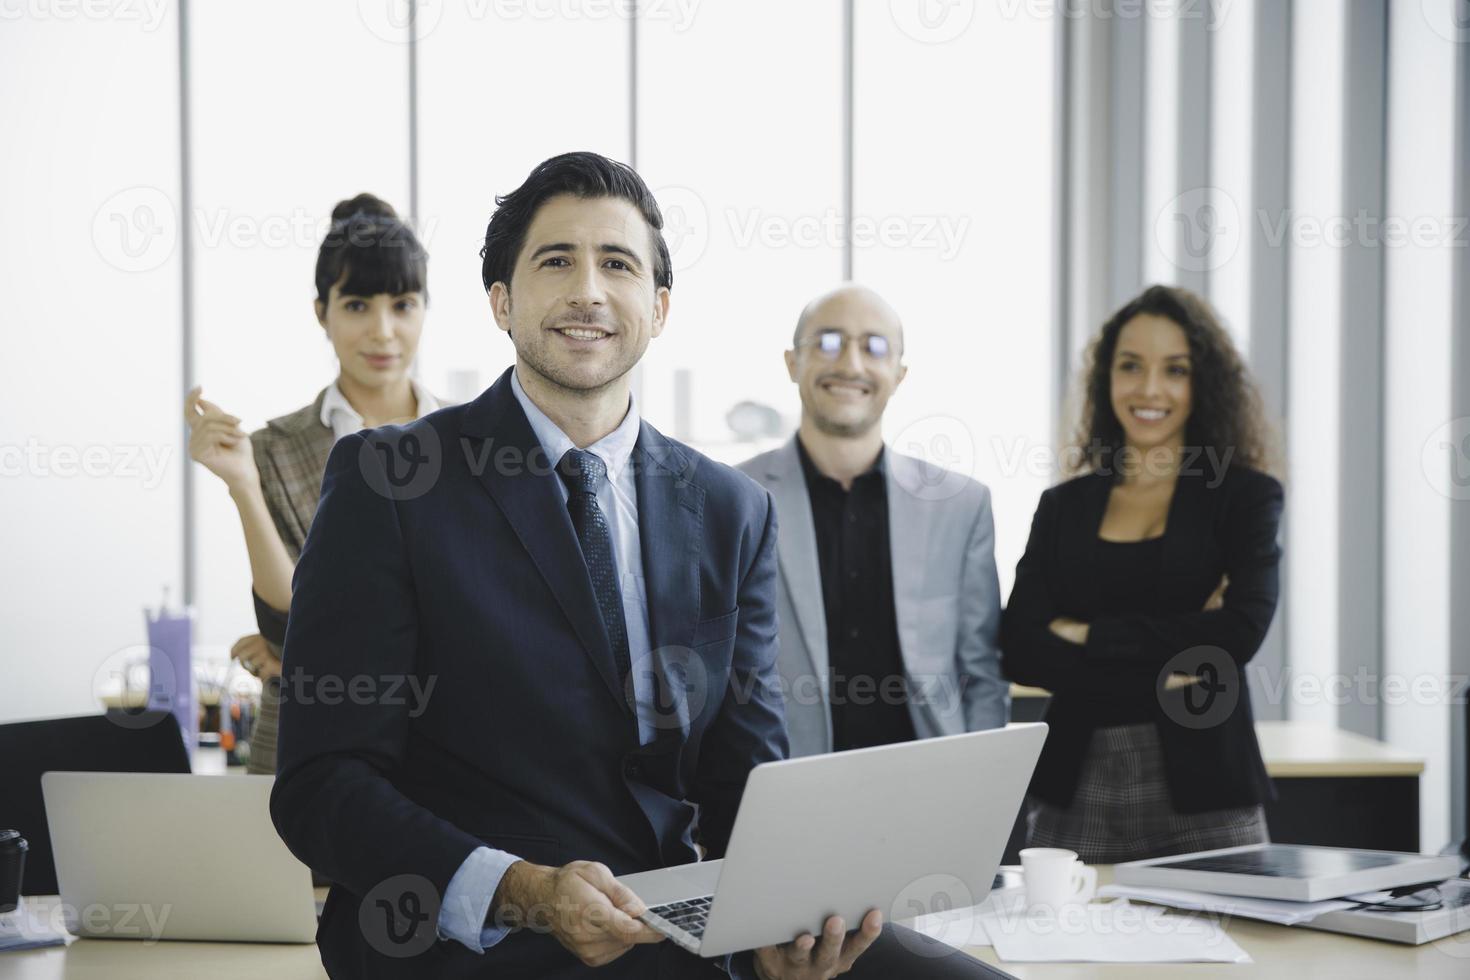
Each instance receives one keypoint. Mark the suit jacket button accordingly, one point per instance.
(632, 769)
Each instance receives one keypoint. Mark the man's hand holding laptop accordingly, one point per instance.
(581, 904)
(596, 918)
(808, 957)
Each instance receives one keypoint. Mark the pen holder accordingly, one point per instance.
(12, 867)
(171, 670)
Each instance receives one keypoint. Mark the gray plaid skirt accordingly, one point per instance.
(1121, 809)
(263, 735)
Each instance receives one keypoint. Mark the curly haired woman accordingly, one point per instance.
(1148, 582)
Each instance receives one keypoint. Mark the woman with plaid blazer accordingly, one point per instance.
(371, 280)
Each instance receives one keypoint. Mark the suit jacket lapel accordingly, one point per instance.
(1184, 517)
(671, 530)
(796, 552)
(909, 525)
(1083, 527)
(521, 484)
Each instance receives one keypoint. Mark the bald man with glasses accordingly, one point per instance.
(888, 605)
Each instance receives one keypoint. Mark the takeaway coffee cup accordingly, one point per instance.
(12, 865)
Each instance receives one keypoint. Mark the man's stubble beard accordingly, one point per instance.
(844, 430)
(532, 355)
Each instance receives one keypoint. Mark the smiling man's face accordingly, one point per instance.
(582, 304)
(845, 395)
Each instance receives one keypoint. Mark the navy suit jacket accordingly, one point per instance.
(442, 554)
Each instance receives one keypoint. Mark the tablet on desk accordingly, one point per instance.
(1289, 872)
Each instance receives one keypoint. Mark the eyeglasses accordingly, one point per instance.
(831, 343)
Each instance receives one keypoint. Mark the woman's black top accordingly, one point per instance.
(1144, 605)
(1128, 575)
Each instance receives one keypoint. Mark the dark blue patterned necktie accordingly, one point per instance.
(583, 473)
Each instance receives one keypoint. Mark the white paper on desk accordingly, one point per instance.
(1265, 909)
(1113, 933)
(957, 928)
(962, 927)
(26, 929)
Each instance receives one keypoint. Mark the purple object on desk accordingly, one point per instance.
(171, 670)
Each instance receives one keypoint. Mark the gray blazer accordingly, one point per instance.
(945, 594)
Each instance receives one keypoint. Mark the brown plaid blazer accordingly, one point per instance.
(291, 455)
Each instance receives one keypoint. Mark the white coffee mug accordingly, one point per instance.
(1054, 877)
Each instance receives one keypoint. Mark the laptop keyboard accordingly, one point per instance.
(691, 915)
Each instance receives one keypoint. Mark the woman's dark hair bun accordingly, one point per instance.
(370, 250)
(364, 204)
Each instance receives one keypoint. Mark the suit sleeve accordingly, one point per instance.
(986, 694)
(751, 725)
(1030, 652)
(354, 623)
(1252, 562)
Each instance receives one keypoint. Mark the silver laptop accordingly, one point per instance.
(907, 829)
(175, 856)
(1289, 872)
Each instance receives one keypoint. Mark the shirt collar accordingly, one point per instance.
(614, 449)
(335, 405)
(813, 475)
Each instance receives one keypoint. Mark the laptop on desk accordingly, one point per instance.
(907, 829)
(147, 741)
(161, 856)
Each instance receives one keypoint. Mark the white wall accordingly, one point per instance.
(1161, 143)
(1418, 316)
(964, 181)
(90, 467)
(273, 151)
(1232, 70)
(1314, 361)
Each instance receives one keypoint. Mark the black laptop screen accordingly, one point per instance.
(124, 742)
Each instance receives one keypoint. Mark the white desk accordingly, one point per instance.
(1299, 749)
(1288, 953)
(112, 959)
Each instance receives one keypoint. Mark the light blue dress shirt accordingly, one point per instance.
(467, 899)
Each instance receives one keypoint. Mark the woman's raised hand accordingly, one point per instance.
(218, 443)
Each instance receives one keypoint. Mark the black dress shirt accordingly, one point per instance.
(868, 693)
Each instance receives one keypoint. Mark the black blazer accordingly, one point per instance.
(1216, 525)
(464, 571)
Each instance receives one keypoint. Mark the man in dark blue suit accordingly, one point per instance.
(532, 642)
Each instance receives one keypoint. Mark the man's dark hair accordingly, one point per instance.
(586, 175)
